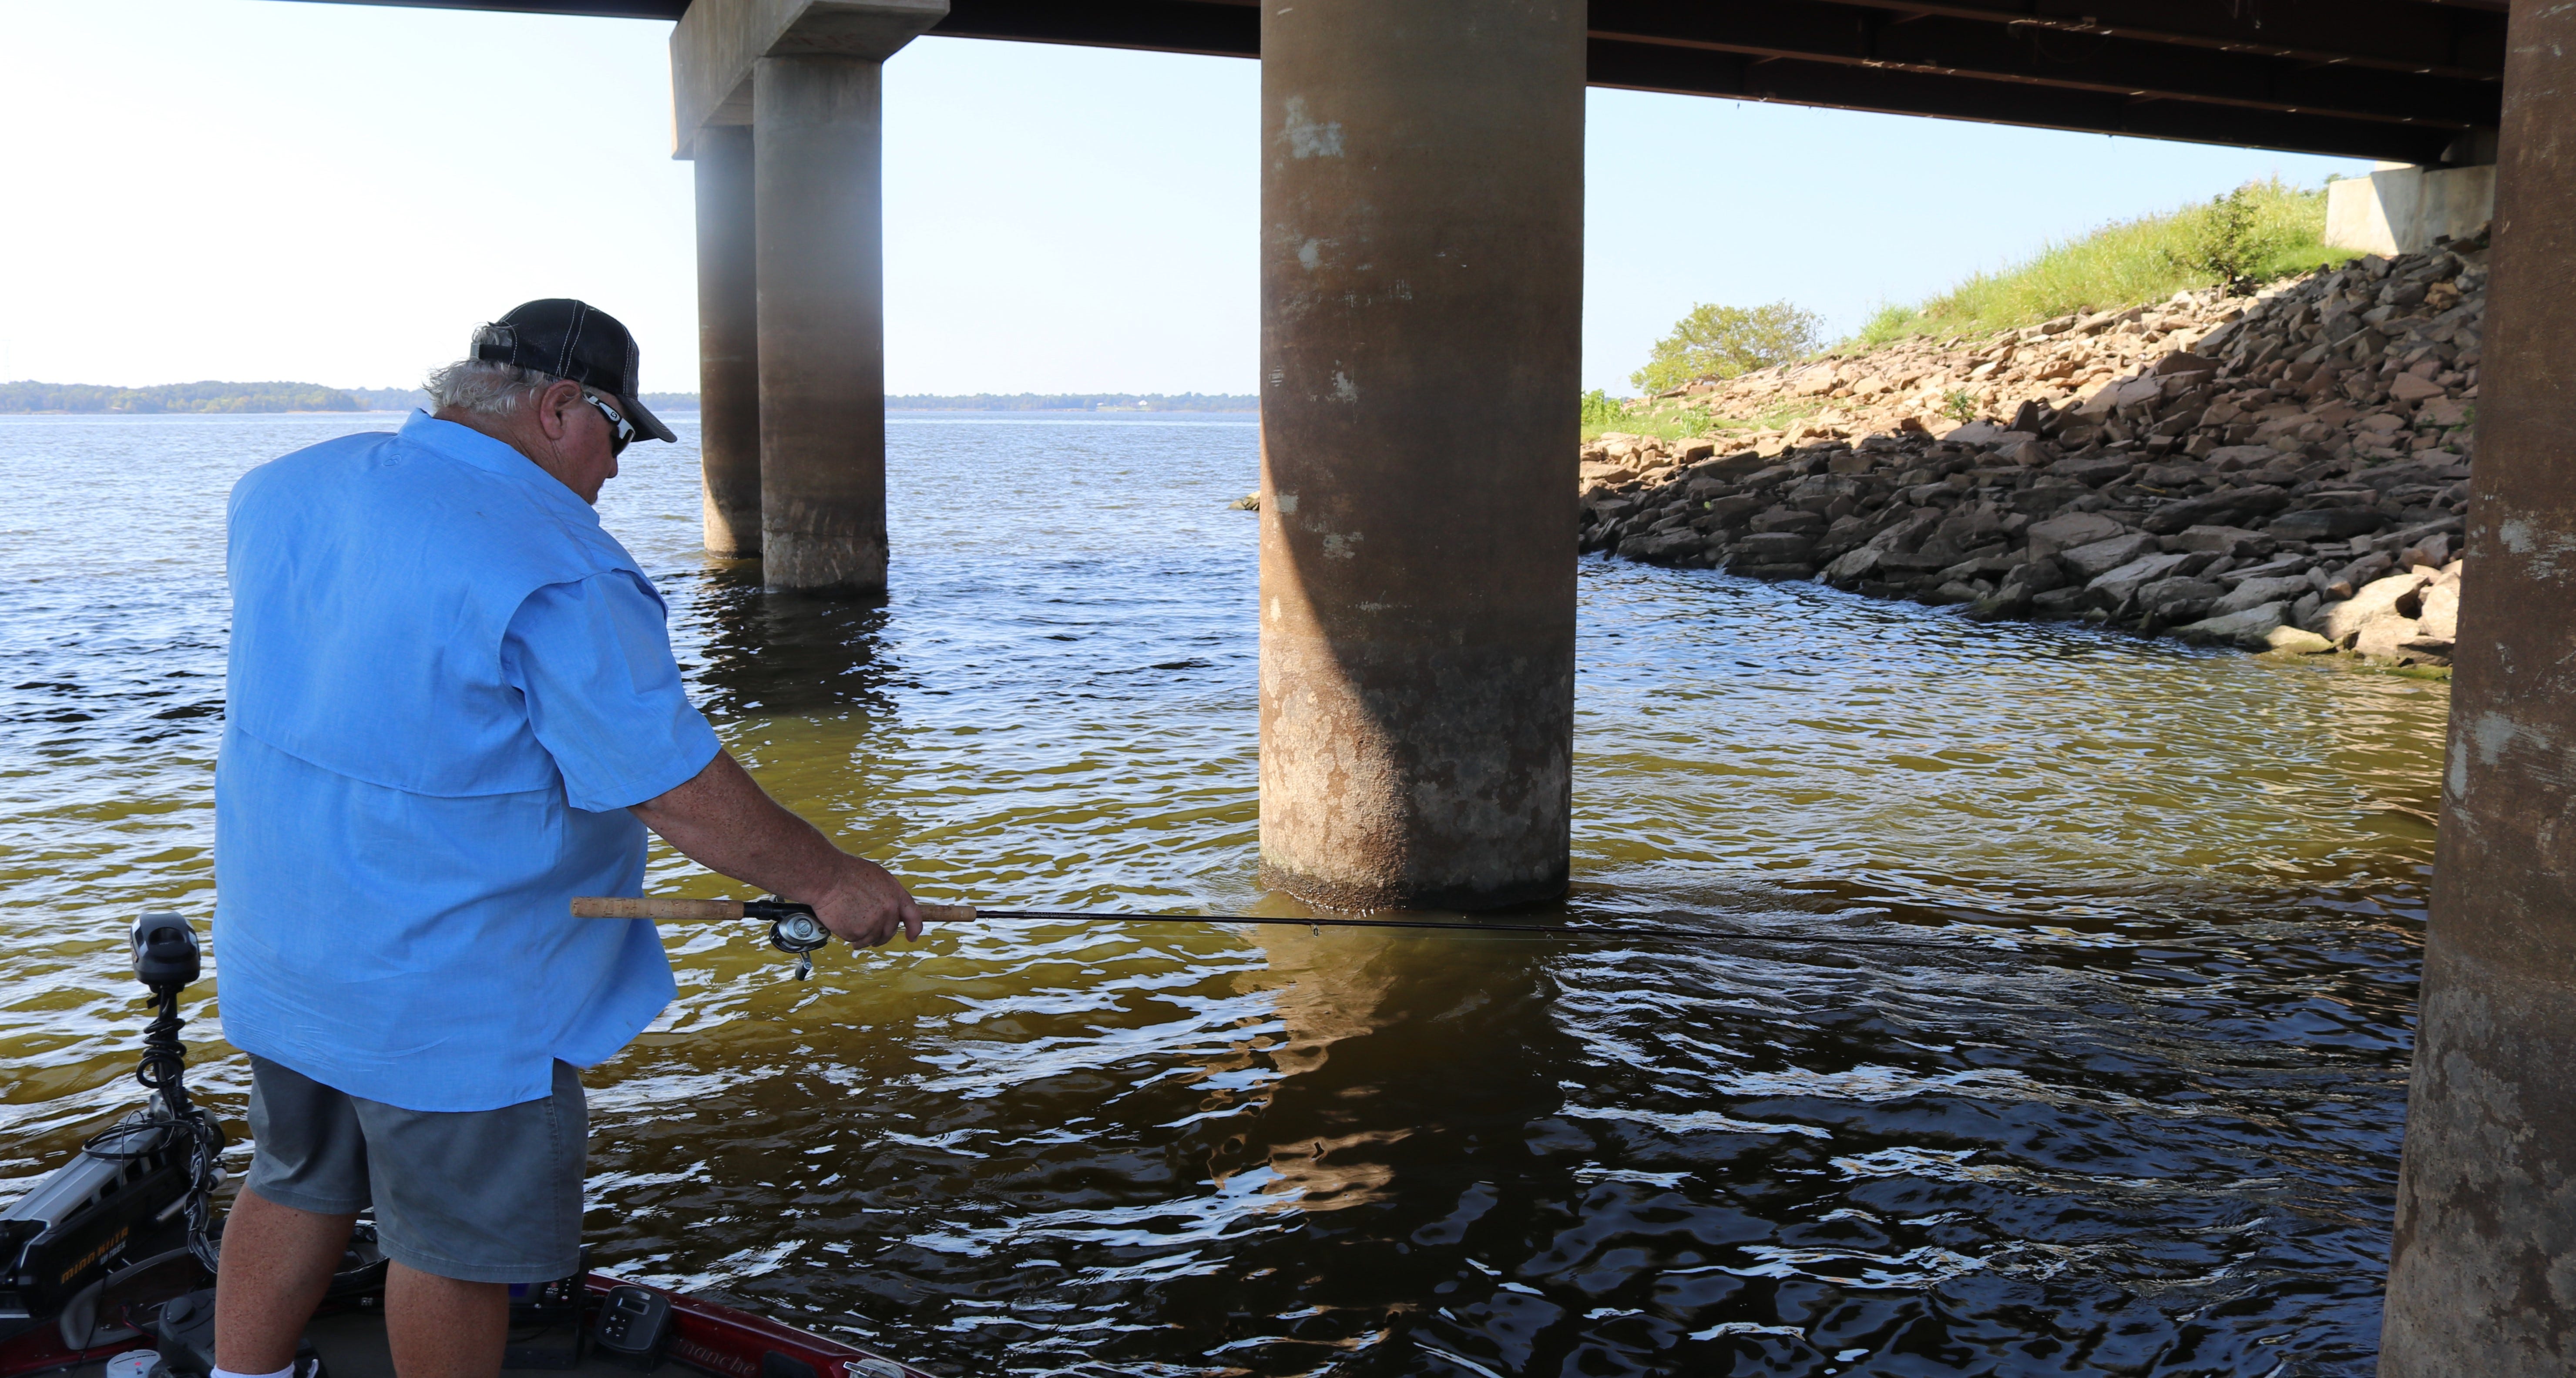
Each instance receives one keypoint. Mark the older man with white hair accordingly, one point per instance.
(452, 707)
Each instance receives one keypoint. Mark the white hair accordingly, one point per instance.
(486, 389)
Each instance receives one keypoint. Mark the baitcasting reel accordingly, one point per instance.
(792, 928)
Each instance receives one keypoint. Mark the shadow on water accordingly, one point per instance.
(1995, 1000)
(763, 652)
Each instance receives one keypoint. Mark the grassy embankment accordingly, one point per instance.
(2116, 266)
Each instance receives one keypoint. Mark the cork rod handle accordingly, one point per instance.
(604, 907)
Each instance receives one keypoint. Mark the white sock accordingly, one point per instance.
(286, 1372)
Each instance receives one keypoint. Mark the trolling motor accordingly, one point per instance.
(111, 1210)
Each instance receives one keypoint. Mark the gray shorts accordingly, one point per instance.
(476, 1195)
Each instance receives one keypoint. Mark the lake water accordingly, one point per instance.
(2020, 1000)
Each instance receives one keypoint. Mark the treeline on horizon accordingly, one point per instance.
(30, 396)
(214, 397)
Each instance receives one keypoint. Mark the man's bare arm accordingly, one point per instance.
(723, 820)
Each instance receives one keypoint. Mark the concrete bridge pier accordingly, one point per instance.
(806, 78)
(816, 181)
(1421, 285)
(2482, 1279)
(728, 344)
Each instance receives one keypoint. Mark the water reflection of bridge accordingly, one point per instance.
(1421, 222)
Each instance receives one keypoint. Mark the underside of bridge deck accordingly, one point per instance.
(2401, 80)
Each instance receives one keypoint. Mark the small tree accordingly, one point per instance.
(1722, 341)
(2230, 242)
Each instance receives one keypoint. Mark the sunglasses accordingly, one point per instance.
(623, 433)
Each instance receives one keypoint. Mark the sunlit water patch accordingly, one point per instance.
(1993, 999)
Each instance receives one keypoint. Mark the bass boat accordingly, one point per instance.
(109, 1261)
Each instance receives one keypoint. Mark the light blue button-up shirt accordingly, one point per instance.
(447, 685)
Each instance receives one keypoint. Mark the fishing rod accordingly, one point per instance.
(793, 928)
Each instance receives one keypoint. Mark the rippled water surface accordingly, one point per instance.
(2020, 1000)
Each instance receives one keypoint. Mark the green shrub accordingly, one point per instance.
(1602, 412)
(2230, 240)
(1723, 341)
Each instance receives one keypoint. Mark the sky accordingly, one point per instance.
(265, 189)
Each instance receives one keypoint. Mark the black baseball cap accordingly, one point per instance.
(573, 340)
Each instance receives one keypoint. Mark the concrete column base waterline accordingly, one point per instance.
(2482, 1276)
(816, 161)
(1421, 304)
(728, 344)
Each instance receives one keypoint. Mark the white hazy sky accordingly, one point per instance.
(258, 189)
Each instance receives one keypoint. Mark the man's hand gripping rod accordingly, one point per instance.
(792, 927)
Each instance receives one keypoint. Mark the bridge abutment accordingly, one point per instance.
(1422, 284)
(2483, 1274)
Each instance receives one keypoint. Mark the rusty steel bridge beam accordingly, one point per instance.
(1421, 311)
(2482, 1278)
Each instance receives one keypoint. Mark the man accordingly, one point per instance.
(453, 707)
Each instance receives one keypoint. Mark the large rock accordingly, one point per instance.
(2094, 471)
(2297, 641)
(2038, 575)
(2406, 387)
(2114, 588)
(2327, 523)
(2116, 395)
(1786, 518)
(1734, 466)
(2183, 513)
(1663, 547)
(2069, 530)
(1772, 548)
(2094, 559)
(2251, 628)
(2253, 593)
(2385, 636)
(1852, 567)
(2441, 601)
(2177, 598)
(2242, 456)
(2226, 540)
(2395, 594)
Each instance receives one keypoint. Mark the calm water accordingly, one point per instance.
(2129, 1102)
